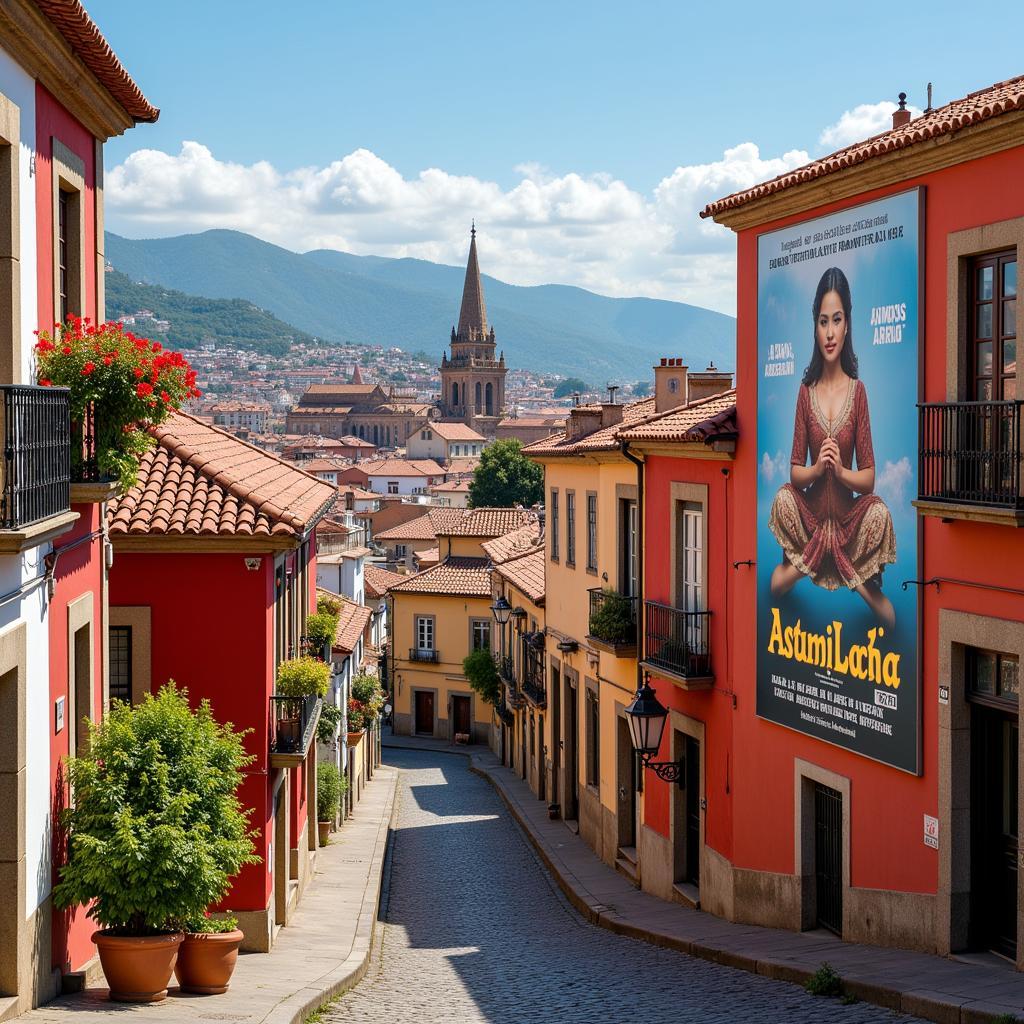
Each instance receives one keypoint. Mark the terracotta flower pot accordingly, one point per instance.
(137, 967)
(354, 738)
(206, 961)
(324, 828)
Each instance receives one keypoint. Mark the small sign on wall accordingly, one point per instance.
(943, 694)
(931, 831)
(58, 715)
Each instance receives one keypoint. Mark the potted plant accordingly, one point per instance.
(613, 620)
(207, 956)
(154, 833)
(297, 679)
(320, 632)
(327, 727)
(367, 690)
(120, 385)
(356, 720)
(328, 797)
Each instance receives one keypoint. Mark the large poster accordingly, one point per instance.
(837, 339)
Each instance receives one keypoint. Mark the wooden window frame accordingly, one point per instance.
(69, 185)
(592, 521)
(681, 495)
(570, 528)
(592, 736)
(416, 619)
(998, 335)
(473, 623)
(553, 502)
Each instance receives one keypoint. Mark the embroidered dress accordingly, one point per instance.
(836, 538)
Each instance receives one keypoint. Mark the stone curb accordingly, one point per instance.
(298, 1006)
(934, 1006)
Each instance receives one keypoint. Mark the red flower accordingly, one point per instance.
(143, 389)
(107, 360)
(164, 397)
(46, 383)
(88, 368)
(45, 346)
(140, 343)
(157, 346)
(66, 350)
(139, 374)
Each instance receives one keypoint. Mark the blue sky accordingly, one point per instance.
(583, 136)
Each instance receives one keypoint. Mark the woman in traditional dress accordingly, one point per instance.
(830, 525)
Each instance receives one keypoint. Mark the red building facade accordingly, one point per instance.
(923, 859)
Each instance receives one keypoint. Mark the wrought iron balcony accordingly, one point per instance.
(37, 455)
(535, 692)
(612, 622)
(504, 665)
(971, 454)
(531, 666)
(677, 641)
(423, 654)
(294, 725)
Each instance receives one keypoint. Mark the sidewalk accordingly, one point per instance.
(323, 951)
(949, 991)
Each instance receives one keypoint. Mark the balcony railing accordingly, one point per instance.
(294, 719)
(970, 453)
(505, 667)
(677, 641)
(422, 654)
(532, 669)
(36, 432)
(612, 618)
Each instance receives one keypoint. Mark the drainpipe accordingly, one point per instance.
(639, 463)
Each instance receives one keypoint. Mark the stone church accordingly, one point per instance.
(472, 379)
(472, 386)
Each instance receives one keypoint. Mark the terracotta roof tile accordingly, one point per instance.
(421, 528)
(201, 481)
(698, 421)
(84, 37)
(1001, 98)
(429, 556)
(602, 439)
(526, 573)
(454, 431)
(377, 581)
(400, 467)
(461, 577)
(479, 522)
(352, 620)
(513, 544)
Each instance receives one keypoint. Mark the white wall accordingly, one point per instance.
(15, 570)
(406, 484)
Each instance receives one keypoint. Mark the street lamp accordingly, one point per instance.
(646, 716)
(502, 611)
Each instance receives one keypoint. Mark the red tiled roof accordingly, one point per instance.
(199, 481)
(602, 439)
(1001, 98)
(421, 528)
(351, 623)
(454, 431)
(698, 421)
(377, 581)
(85, 39)
(514, 544)
(461, 577)
(526, 573)
(400, 467)
(478, 522)
(429, 556)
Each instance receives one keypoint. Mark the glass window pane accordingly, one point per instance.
(1010, 279)
(983, 359)
(984, 672)
(1009, 676)
(983, 320)
(985, 275)
(983, 390)
(1010, 317)
(1010, 356)
(1009, 389)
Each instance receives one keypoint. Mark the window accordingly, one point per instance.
(554, 525)
(68, 232)
(400, 551)
(120, 643)
(690, 523)
(392, 487)
(570, 527)
(480, 635)
(992, 677)
(628, 547)
(593, 733)
(592, 532)
(424, 632)
(63, 200)
(992, 328)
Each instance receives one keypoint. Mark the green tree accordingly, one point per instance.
(482, 674)
(506, 476)
(569, 385)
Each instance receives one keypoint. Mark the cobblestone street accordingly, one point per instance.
(474, 929)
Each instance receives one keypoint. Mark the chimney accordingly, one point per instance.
(583, 420)
(901, 115)
(670, 385)
(611, 413)
(711, 381)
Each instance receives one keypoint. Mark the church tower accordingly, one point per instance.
(473, 378)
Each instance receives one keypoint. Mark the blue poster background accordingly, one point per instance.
(877, 246)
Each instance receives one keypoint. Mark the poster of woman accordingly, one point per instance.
(837, 443)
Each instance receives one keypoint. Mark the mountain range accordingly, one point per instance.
(411, 304)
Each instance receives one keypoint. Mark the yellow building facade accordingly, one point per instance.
(592, 556)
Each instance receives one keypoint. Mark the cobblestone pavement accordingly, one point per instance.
(474, 929)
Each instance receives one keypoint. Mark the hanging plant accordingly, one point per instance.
(120, 385)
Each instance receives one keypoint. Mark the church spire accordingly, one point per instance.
(357, 377)
(473, 314)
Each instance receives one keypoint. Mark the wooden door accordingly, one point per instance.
(460, 714)
(828, 857)
(424, 713)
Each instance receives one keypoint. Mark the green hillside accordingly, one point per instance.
(231, 322)
(412, 304)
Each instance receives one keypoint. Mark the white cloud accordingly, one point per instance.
(776, 468)
(891, 484)
(864, 121)
(594, 231)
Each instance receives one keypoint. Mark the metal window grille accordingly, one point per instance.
(120, 644)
